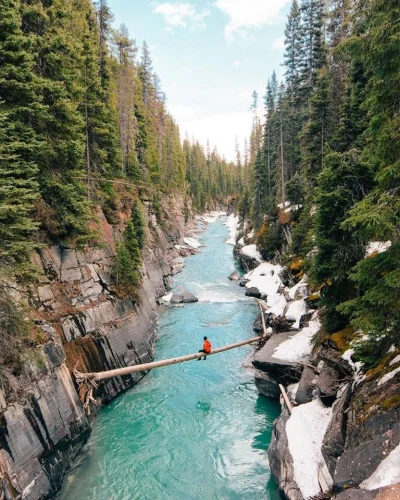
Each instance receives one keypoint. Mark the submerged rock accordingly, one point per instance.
(188, 297)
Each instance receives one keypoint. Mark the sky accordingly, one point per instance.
(210, 55)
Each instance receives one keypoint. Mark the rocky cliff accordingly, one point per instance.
(80, 322)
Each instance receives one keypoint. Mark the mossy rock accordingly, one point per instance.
(296, 264)
(343, 338)
(383, 366)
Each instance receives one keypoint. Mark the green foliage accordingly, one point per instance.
(269, 239)
(137, 220)
(295, 190)
(343, 181)
(128, 260)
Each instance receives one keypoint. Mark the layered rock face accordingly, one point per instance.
(82, 324)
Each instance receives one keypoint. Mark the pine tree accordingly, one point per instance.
(342, 182)
(20, 107)
(376, 216)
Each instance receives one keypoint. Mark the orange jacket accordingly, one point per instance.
(207, 346)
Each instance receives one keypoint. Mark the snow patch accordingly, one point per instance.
(295, 312)
(192, 242)
(305, 431)
(211, 217)
(167, 298)
(395, 360)
(250, 235)
(377, 247)
(388, 376)
(298, 347)
(265, 277)
(251, 251)
(355, 365)
(283, 205)
(387, 473)
(232, 224)
(241, 242)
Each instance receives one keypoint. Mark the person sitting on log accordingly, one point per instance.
(206, 348)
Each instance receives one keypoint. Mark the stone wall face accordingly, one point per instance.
(84, 325)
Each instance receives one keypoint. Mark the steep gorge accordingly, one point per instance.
(79, 323)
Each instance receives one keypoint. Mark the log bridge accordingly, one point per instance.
(89, 381)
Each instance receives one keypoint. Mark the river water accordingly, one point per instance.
(197, 430)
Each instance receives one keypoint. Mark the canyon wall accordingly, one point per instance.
(81, 323)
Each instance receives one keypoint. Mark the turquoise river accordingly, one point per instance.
(198, 430)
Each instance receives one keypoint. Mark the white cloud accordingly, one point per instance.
(279, 43)
(239, 62)
(220, 129)
(247, 14)
(181, 14)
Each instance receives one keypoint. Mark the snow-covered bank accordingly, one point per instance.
(232, 224)
(299, 346)
(192, 242)
(305, 430)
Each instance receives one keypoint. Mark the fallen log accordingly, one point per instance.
(127, 370)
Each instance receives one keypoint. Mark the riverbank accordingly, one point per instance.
(343, 435)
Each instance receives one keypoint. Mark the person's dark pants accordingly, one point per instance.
(205, 352)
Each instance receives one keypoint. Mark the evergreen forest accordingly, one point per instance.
(82, 112)
(321, 175)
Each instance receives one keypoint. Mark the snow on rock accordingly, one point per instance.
(395, 360)
(241, 242)
(295, 312)
(387, 473)
(305, 431)
(211, 217)
(283, 205)
(377, 247)
(300, 284)
(388, 376)
(192, 242)
(167, 298)
(355, 365)
(251, 251)
(298, 347)
(232, 224)
(266, 278)
(276, 304)
(250, 235)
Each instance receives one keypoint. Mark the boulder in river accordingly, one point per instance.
(183, 297)
(234, 276)
(188, 297)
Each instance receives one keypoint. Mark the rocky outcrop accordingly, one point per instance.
(284, 372)
(93, 328)
(248, 263)
(281, 461)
